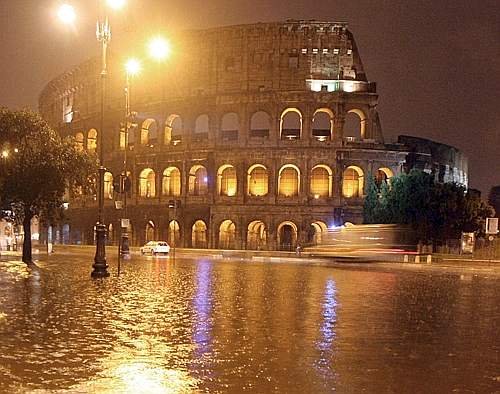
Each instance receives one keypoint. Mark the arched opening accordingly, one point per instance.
(174, 234)
(79, 141)
(355, 124)
(130, 137)
(322, 124)
(173, 130)
(258, 180)
(257, 235)
(383, 175)
(150, 231)
(147, 186)
(321, 181)
(201, 127)
(198, 181)
(171, 182)
(289, 181)
(227, 235)
(353, 182)
(291, 124)
(230, 126)
(92, 140)
(260, 123)
(199, 235)
(149, 132)
(108, 185)
(287, 236)
(227, 180)
(317, 231)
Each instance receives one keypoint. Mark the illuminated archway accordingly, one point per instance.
(289, 181)
(353, 182)
(322, 124)
(355, 124)
(321, 181)
(260, 123)
(384, 175)
(198, 180)
(199, 235)
(318, 230)
(173, 130)
(227, 235)
(257, 235)
(227, 180)
(291, 124)
(92, 140)
(171, 182)
(79, 140)
(287, 236)
(150, 231)
(174, 234)
(149, 132)
(258, 180)
(147, 183)
(108, 185)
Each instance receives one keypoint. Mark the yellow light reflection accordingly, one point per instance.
(116, 4)
(66, 14)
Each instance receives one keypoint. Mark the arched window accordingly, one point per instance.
(149, 132)
(198, 181)
(258, 180)
(383, 175)
(150, 231)
(257, 235)
(173, 130)
(174, 234)
(227, 181)
(227, 235)
(199, 235)
(108, 185)
(355, 124)
(321, 181)
(147, 187)
(201, 127)
(230, 126)
(322, 125)
(291, 124)
(287, 236)
(289, 181)
(259, 125)
(171, 183)
(353, 182)
(92, 140)
(79, 140)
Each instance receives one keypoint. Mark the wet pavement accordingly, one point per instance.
(232, 325)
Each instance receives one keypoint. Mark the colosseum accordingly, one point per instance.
(262, 135)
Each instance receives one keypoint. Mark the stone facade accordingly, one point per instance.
(263, 133)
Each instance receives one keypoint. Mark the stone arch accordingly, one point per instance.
(230, 126)
(79, 140)
(147, 183)
(150, 231)
(227, 235)
(322, 124)
(321, 181)
(227, 181)
(287, 236)
(171, 182)
(318, 230)
(257, 180)
(174, 233)
(384, 174)
(289, 181)
(260, 124)
(198, 180)
(173, 130)
(257, 235)
(353, 182)
(92, 140)
(108, 185)
(291, 124)
(355, 124)
(202, 125)
(149, 132)
(199, 235)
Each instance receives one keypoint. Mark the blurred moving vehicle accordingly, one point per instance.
(155, 248)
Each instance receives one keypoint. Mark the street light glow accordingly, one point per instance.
(66, 14)
(159, 48)
(116, 4)
(5, 154)
(132, 66)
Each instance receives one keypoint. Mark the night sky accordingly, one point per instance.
(436, 63)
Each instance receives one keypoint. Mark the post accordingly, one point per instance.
(125, 250)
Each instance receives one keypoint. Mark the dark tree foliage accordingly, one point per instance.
(371, 204)
(436, 211)
(494, 199)
(38, 170)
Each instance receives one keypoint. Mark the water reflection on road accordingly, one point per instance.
(229, 326)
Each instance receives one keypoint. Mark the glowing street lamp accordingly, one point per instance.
(66, 14)
(116, 4)
(159, 48)
(5, 154)
(132, 67)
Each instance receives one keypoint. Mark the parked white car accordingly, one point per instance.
(155, 248)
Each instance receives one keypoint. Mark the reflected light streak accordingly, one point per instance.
(203, 309)
(327, 328)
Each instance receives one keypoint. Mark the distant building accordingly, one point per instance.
(265, 133)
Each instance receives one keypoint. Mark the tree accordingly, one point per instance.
(371, 205)
(494, 199)
(37, 169)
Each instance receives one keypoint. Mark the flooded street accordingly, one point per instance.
(204, 325)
